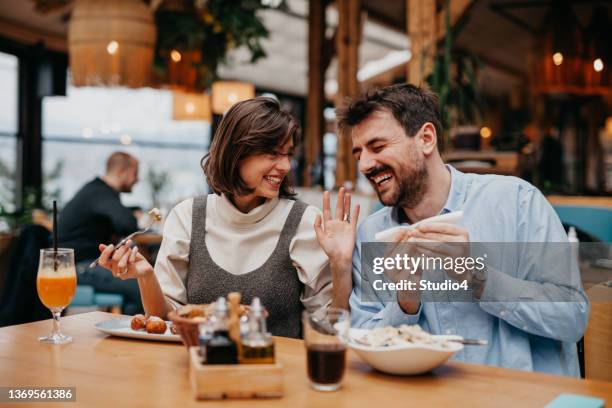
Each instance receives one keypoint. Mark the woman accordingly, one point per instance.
(251, 236)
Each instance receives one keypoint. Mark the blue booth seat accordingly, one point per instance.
(86, 296)
(595, 221)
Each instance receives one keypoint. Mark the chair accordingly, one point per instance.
(19, 302)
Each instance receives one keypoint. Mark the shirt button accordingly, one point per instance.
(502, 313)
(524, 328)
(449, 331)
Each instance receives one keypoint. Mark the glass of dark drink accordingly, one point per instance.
(325, 337)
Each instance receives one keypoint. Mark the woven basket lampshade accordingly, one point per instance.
(191, 106)
(227, 93)
(111, 42)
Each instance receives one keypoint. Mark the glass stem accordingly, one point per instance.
(56, 321)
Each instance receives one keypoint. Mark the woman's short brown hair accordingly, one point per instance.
(254, 126)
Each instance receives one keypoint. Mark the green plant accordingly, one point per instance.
(454, 79)
(8, 195)
(212, 28)
(158, 181)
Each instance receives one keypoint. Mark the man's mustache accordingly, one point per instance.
(376, 171)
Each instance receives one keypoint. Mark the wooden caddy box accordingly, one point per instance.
(234, 380)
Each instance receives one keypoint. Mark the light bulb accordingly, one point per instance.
(175, 55)
(125, 139)
(485, 132)
(112, 47)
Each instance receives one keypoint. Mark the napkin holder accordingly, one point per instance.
(212, 381)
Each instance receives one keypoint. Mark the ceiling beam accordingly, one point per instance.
(29, 35)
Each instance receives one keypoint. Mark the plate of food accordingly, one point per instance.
(403, 350)
(139, 327)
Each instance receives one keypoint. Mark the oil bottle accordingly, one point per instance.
(220, 348)
(257, 344)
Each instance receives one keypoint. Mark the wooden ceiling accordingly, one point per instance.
(495, 29)
(389, 12)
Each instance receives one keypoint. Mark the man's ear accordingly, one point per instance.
(429, 138)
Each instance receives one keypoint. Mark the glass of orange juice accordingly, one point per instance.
(56, 284)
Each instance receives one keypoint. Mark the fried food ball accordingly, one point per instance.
(156, 325)
(138, 322)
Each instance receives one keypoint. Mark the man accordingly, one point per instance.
(94, 215)
(395, 132)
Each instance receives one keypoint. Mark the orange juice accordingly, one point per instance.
(56, 290)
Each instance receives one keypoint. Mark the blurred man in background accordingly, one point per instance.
(95, 214)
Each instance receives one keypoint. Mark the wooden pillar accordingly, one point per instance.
(29, 143)
(314, 124)
(348, 37)
(421, 20)
(425, 27)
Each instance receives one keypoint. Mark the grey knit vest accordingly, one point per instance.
(275, 282)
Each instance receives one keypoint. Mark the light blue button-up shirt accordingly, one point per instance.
(532, 336)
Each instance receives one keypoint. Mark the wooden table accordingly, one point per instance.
(108, 371)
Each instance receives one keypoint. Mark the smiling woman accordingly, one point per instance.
(251, 236)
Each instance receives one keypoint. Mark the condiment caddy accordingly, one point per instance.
(236, 356)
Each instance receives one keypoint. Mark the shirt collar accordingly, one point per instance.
(456, 195)
(454, 201)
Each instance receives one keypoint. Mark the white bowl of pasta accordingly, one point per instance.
(405, 355)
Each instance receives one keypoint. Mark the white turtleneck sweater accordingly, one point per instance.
(254, 235)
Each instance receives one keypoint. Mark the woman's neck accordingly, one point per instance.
(247, 203)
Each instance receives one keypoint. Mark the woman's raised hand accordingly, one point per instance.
(125, 262)
(336, 235)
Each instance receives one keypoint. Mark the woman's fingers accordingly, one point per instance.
(107, 252)
(318, 226)
(347, 205)
(118, 254)
(340, 204)
(123, 262)
(326, 206)
(355, 216)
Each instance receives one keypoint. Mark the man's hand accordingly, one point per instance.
(444, 240)
(408, 300)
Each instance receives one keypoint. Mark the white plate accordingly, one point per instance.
(121, 327)
(404, 359)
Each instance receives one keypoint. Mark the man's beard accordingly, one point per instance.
(411, 187)
(126, 188)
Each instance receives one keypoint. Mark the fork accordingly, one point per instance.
(453, 339)
(155, 217)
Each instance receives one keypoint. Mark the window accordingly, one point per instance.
(83, 128)
(9, 73)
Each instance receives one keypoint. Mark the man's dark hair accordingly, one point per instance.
(251, 127)
(412, 107)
